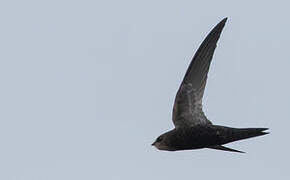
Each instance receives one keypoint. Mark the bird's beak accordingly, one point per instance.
(153, 144)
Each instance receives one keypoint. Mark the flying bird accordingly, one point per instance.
(192, 128)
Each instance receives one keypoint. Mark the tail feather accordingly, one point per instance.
(245, 133)
(228, 134)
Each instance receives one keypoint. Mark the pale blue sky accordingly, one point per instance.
(87, 86)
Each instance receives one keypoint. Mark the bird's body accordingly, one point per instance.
(192, 128)
(206, 136)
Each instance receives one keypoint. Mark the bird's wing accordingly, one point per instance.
(187, 110)
(223, 148)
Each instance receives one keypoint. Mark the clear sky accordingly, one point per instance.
(87, 86)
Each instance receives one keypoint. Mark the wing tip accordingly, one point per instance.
(223, 148)
(225, 19)
(222, 23)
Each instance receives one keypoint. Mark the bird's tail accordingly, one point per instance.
(245, 133)
(228, 134)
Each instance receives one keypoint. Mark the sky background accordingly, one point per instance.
(87, 86)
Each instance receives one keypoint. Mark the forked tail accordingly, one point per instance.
(245, 133)
(234, 134)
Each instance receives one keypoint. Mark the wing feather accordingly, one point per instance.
(187, 110)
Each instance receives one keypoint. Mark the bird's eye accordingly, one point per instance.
(159, 139)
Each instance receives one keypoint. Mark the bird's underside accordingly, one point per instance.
(192, 128)
(209, 136)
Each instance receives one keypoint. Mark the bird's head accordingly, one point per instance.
(163, 142)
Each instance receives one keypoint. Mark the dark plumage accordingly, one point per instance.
(192, 129)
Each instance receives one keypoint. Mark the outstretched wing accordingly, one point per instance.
(187, 110)
(223, 148)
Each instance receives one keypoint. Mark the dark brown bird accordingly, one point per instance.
(192, 128)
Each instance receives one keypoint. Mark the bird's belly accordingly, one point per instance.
(197, 138)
